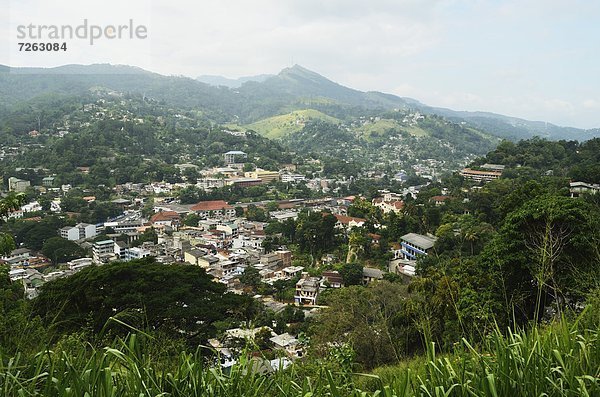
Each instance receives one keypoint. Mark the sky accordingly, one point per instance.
(535, 59)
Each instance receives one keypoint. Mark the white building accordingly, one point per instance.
(287, 178)
(81, 263)
(78, 232)
(34, 206)
(307, 290)
(103, 251)
(136, 253)
(17, 257)
(414, 245)
(578, 188)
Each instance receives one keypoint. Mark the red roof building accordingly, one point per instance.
(439, 200)
(213, 208)
(215, 205)
(165, 217)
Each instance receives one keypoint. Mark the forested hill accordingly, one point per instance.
(122, 138)
(22, 84)
(101, 127)
(534, 157)
(292, 89)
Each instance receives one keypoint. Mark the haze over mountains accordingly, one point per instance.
(251, 99)
(231, 83)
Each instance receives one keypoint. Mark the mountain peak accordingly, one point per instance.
(300, 68)
(301, 71)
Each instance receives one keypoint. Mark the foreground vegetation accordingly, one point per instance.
(560, 359)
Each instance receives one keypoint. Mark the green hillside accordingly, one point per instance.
(292, 89)
(382, 126)
(285, 124)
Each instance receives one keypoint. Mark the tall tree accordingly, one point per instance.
(9, 203)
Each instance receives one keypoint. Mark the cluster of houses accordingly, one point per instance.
(221, 242)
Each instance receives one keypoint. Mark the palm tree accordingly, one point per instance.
(9, 203)
(12, 202)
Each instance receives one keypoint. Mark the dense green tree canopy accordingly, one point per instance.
(60, 250)
(547, 250)
(177, 299)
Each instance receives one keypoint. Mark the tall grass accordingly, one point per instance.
(558, 360)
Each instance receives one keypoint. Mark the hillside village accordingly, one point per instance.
(239, 244)
(328, 206)
(185, 210)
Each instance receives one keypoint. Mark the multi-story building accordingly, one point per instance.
(136, 253)
(103, 251)
(48, 181)
(285, 257)
(17, 185)
(17, 257)
(210, 183)
(244, 182)
(413, 245)
(124, 227)
(292, 178)
(78, 232)
(307, 290)
(81, 263)
(248, 241)
(389, 205)
(479, 176)
(193, 255)
(271, 261)
(231, 229)
(216, 208)
(264, 175)
(234, 156)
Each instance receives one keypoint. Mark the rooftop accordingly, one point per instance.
(343, 219)
(164, 216)
(419, 240)
(284, 340)
(215, 205)
(372, 273)
(495, 167)
(475, 172)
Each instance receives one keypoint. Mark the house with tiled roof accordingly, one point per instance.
(165, 218)
(348, 222)
(333, 278)
(388, 205)
(214, 208)
(439, 200)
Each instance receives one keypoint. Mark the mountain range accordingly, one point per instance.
(253, 99)
(231, 83)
